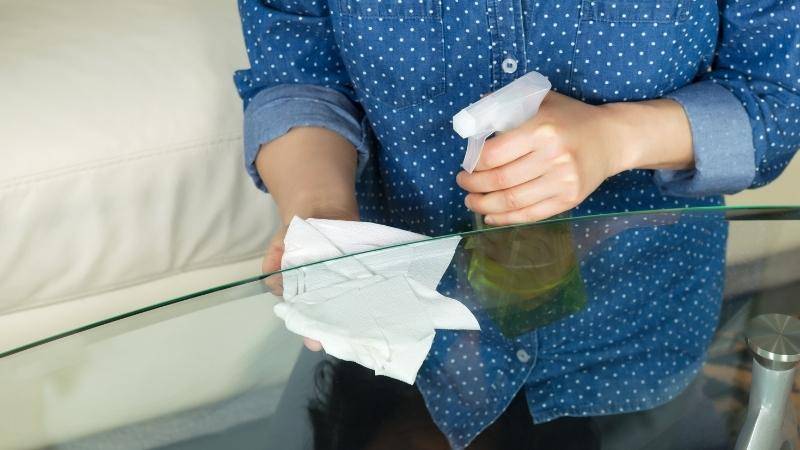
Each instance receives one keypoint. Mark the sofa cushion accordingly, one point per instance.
(120, 136)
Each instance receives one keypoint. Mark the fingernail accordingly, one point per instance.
(489, 220)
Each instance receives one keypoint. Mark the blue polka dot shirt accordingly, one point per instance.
(388, 75)
(652, 287)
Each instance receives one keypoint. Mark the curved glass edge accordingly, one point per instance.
(758, 212)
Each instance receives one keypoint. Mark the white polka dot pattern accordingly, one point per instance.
(653, 291)
(653, 288)
(412, 64)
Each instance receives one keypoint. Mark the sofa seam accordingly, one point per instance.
(111, 162)
(141, 280)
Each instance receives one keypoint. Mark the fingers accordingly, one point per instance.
(526, 168)
(272, 263)
(272, 259)
(534, 213)
(517, 197)
(312, 345)
(274, 254)
(511, 145)
(274, 283)
(557, 191)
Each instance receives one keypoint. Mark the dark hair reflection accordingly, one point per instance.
(353, 409)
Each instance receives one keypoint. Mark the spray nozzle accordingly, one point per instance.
(501, 110)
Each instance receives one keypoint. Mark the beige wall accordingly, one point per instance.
(746, 243)
(783, 191)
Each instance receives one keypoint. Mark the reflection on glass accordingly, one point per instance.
(578, 319)
(591, 328)
(352, 409)
(526, 278)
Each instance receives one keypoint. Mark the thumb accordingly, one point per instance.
(274, 254)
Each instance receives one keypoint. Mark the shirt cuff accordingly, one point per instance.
(722, 139)
(274, 111)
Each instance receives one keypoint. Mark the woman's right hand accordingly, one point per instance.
(274, 254)
(310, 172)
(272, 263)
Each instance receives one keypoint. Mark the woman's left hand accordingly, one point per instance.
(552, 162)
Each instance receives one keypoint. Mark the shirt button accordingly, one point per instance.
(509, 65)
(523, 356)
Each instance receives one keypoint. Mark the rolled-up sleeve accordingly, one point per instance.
(274, 111)
(745, 112)
(724, 157)
(296, 77)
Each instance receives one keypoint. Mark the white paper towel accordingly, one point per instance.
(379, 309)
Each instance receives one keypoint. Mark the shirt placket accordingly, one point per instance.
(508, 41)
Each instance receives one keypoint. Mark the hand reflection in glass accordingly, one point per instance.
(525, 278)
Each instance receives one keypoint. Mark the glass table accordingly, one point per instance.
(616, 331)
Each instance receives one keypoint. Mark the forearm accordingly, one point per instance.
(654, 134)
(310, 172)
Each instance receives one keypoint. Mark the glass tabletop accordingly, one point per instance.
(618, 331)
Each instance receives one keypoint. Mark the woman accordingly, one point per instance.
(694, 102)
(655, 104)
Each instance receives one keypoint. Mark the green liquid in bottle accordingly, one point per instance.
(526, 277)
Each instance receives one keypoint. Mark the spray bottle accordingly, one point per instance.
(502, 110)
(524, 277)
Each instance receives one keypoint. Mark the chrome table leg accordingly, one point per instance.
(774, 340)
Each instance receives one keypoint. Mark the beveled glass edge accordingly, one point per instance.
(701, 209)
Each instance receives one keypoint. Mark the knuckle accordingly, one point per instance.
(573, 194)
(563, 157)
(475, 203)
(570, 175)
(548, 131)
(466, 182)
(573, 198)
(512, 199)
(530, 215)
(493, 159)
(489, 153)
(500, 178)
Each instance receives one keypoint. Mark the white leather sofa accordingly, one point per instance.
(121, 181)
(121, 185)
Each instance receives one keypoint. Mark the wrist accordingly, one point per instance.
(321, 205)
(622, 137)
(653, 134)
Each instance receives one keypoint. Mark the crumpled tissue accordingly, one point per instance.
(378, 309)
